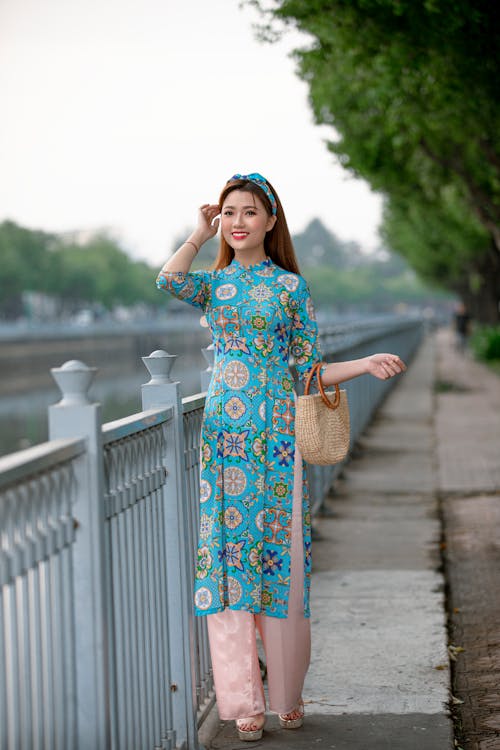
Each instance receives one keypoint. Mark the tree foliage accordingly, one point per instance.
(101, 275)
(76, 275)
(411, 88)
(100, 271)
(344, 279)
(318, 246)
(24, 264)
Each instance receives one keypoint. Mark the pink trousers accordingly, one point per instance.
(287, 642)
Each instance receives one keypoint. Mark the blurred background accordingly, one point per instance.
(375, 121)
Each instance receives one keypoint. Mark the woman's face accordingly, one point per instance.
(245, 221)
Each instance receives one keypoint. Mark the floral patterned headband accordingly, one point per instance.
(262, 183)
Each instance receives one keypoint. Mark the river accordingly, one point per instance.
(27, 388)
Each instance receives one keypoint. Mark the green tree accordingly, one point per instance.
(97, 272)
(316, 245)
(25, 263)
(411, 88)
(446, 246)
(100, 271)
(342, 279)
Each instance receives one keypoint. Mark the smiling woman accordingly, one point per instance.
(254, 560)
(245, 222)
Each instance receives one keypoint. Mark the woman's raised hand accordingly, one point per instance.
(208, 224)
(384, 366)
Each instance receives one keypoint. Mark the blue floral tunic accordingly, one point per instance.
(258, 317)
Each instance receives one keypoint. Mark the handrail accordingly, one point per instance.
(122, 428)
(194, 402)
(18, 466)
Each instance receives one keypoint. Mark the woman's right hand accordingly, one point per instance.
(208, 224)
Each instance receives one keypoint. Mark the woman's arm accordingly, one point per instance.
(181, 260)
(382, 366)
(304, 349)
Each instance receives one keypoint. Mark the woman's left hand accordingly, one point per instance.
(384, 366)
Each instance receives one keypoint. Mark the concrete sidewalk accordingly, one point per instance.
(379, 676)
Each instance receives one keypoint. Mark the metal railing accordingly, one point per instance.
(99, 647)
(135, 542)
(37, 619)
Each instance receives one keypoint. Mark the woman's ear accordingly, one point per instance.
(271, 221)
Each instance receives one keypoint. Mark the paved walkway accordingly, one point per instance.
(468, 442)
(379, 673)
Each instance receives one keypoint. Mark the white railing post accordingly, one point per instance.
(159, 392)
(76, 416)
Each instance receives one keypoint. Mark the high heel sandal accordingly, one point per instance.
(251, 735)
(288, 723)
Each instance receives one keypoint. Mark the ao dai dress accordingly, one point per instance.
(258, 317)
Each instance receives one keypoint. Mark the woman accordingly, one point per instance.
(254, 559)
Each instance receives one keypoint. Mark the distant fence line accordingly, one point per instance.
(99, 645)
(70, 329)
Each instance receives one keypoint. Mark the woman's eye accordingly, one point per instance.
(251, 213)
(227, 212)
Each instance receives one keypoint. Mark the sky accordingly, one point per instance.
(129, 114)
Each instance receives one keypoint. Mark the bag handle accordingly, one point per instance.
(316, 370)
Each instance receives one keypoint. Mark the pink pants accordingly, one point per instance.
(287, 642)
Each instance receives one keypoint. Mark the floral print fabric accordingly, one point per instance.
(258, 316)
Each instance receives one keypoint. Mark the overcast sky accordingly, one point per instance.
(128, 114)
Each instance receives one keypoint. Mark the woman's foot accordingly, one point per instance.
(251, 728)
(294, 719)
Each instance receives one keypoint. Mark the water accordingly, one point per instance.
(117, 387)
(24, 420)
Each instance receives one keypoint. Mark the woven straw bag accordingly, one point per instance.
(322, 424)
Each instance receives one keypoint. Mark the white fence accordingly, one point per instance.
(99, 648)
(38, 489)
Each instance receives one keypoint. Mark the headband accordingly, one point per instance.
(257, 178)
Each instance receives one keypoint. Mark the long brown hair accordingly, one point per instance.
(277, 243)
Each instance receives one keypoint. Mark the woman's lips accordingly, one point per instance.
(239, 235)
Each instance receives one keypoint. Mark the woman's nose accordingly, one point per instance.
(238, 219)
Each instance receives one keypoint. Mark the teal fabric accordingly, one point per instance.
(258, 317)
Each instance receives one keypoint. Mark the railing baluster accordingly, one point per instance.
(4, 673)
(10, 653)
(35, 656)
(124, 615)
(47, 646)
(152, 605)
(142, 623)
(68, 640)
(21, 590)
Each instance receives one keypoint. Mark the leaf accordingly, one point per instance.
(453, 651)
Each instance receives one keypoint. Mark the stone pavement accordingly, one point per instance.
(468, 447)
(379, 676)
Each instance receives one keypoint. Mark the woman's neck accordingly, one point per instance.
(250, 258)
